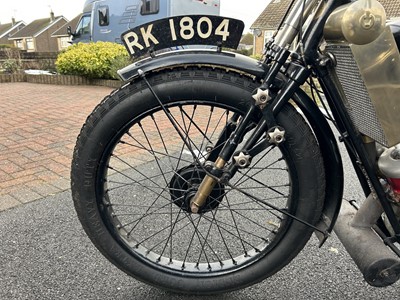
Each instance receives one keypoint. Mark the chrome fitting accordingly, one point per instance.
(242, 160)
(276, 135)
(262, 97)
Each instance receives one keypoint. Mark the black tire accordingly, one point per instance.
(132, 175)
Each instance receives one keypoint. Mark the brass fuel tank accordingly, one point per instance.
(359, 23)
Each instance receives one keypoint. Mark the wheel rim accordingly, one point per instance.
(146, 181)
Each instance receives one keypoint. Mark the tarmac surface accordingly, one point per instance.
(44, 253)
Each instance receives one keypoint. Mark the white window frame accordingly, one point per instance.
(30, 44)
(64, 42)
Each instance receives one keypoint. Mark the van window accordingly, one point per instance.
(84, 25)
(104, 16)
(150, 7)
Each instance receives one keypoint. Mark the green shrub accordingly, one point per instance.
(92, 60)
(12, 63)
(246, 52)
(117, 64)
(10, 66)
(257, 56)
(6, 46)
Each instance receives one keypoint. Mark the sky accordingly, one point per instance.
(29, 10)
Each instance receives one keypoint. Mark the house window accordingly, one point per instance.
(150, 7)
(65, 42)
(104, 19)
(268, 35)
(19, 44)
(29, 44)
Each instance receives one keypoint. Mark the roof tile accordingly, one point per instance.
(5, 27)
(62, 31)
(33, 28)
(272, 15)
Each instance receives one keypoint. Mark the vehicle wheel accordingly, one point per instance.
(133, 177)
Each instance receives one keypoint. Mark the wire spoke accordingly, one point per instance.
(156, 168)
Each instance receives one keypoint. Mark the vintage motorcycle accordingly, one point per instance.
(208, 171)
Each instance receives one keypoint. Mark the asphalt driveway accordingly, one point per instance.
(44, 254)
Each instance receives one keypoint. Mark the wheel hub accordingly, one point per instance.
(184, 184)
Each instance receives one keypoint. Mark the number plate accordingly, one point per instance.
(183, 30)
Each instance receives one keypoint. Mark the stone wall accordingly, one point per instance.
(30, 60)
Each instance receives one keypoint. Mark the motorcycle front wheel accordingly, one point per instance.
(135, 169)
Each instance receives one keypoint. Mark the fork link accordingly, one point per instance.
(226, 153)
(205, 188)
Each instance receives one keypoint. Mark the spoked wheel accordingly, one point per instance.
(134, 175)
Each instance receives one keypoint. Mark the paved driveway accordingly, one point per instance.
(39, 125)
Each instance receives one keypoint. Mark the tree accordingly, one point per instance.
(247, 39)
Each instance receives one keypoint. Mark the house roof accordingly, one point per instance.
(35, 28)
(6, 28)
(272, 15)
(62, 31)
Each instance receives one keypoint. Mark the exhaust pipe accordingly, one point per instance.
(378, 264)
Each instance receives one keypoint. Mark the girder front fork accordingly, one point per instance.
(267, 127)
(226, 153)
(265, 133)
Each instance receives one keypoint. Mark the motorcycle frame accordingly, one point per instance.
(325, 72)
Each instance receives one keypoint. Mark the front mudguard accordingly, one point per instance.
(223, 60)
(332, 161)
(233, 62)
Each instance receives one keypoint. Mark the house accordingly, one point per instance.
(267, 23)
(63, 38)
(36, 36)
(7, 30)
(269, 20)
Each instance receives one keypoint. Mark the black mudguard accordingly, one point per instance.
(224, 60)
(332, 161)
(244, 65)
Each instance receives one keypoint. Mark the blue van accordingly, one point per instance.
(106, 20)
